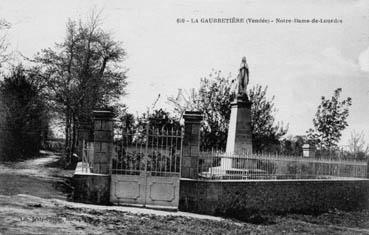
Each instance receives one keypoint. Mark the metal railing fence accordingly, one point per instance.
(145, 149)
(157, 151)
(218, 165)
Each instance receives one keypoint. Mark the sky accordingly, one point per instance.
(298, 62)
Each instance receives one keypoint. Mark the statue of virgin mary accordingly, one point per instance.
(240, 85)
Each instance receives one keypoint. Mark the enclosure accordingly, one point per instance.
(165, 168)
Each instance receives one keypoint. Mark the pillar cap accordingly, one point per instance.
(308, 146)
(103, 114)
(193, 116)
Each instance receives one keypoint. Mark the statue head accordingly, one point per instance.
(243, 62)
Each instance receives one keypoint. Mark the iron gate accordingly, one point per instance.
(146, 167)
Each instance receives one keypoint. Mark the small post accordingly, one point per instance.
(191, 144)
(367, 168)
(308, 151)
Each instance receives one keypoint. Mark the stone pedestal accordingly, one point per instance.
(103, 141)
(239, 140)
(191, 145)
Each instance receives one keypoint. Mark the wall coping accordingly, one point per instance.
(79, 171)
(278, 181)
(91, 174)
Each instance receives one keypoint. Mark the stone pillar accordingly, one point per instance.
(103, 141)
(191, 145)
(308, 151)
(239, 139)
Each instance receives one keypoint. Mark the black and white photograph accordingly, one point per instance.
(184, 117)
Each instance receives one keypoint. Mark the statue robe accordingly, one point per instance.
(242, 80)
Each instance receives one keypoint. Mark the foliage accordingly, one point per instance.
(329, 121)
(213, 99)
(185, 101)
(83, 73)
(292, 145)
(159, 119)
(159, 122)
(4, 45)
(25, 121)
(125, 119)
(265, 132)
(163, 133)
(357, 147)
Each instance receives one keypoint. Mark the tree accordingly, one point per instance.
(83, 72)
(213, 99)
(125, 119)
(329, 121)
(265, 132)
(185, 101)
(158, 123)
(292, 145)
(4, 45)
(357, 146)
(25, 115)
(159, 119)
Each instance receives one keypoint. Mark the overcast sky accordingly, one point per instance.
(299, 62)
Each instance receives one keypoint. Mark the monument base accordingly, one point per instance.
(232, 173)
(239, 140)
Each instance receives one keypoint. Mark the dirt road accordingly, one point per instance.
(33, 201)
(37, 177)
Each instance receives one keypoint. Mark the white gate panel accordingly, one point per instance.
(162, 191)
(128, 189)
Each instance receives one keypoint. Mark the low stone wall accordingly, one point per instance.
(91, 188)
(244, 198)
